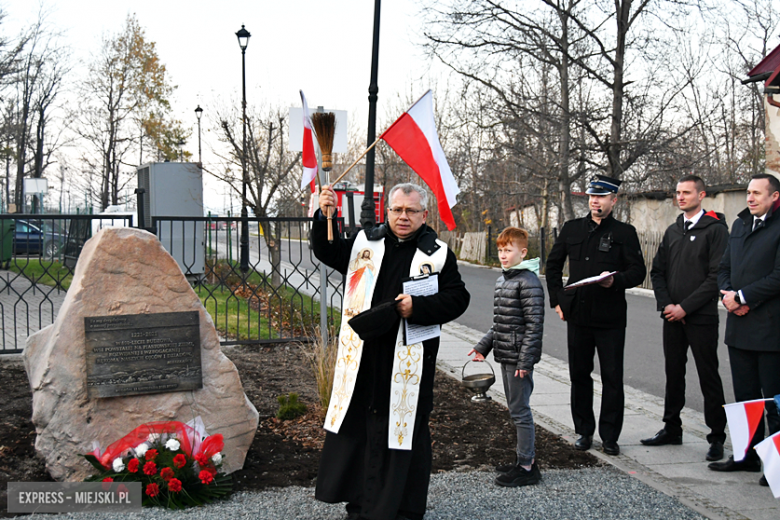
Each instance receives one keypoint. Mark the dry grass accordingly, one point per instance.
(322, 357)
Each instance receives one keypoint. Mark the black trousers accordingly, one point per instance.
(378, 483)
(756, 375)
(703, 340)
(584, 343)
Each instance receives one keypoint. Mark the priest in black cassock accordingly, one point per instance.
(379, 461)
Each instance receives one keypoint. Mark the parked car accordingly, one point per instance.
(30, 239)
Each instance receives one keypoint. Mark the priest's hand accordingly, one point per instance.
(404, 305)
(327, 199)
(742, 310)
(477, 355)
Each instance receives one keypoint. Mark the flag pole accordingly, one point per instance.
(356, 160)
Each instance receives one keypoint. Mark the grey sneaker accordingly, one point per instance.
(519, 476)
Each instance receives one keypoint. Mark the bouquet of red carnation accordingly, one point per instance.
(176, 463)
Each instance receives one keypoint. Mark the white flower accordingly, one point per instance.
(217, 459)
(141, 449)
(118, 465)
(172, 444)
(152, 438)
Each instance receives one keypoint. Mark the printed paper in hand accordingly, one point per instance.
(589, 281)
(421, 286)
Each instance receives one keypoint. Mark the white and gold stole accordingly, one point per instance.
(366, 259)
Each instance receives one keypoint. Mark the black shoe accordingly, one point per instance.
(716, 451)
(506, 468)
(762, 481)
(662, 438)
(583, 443)
(610, 447)
(746, 465)
(519, 476)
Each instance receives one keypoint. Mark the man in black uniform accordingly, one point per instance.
(685, 281)
(357, 466)
(596, 313)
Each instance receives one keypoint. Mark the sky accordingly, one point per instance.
(322, 47)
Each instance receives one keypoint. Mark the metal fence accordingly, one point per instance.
(38, 255)
(276, 298)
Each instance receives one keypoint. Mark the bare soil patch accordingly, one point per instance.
(465, 435)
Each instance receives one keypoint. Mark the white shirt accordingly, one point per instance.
(693, 220)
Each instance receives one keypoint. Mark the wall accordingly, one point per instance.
(656, 215)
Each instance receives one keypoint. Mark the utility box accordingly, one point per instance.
(175, 190)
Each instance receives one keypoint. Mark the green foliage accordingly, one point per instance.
(289, 407)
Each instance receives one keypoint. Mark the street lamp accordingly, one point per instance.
(198, 113)
(243, 40)
(367, 213)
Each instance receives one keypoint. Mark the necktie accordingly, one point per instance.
(758, 224)
(686, 226)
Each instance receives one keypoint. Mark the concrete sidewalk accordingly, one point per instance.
(678, 471)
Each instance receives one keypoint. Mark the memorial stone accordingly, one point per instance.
(124, 277)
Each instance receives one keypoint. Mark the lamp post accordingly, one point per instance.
(198, 113)
(243, 40)
(367, 213)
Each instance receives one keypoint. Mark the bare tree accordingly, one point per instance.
(271, 177)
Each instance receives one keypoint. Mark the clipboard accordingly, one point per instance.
(421, 285)
(589, 281)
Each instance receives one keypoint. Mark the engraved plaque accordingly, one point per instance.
(136, 354)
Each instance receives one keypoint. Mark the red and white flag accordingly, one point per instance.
(414, 138)
(769, 451)
(309, 156)
(743, 420)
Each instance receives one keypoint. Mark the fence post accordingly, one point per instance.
(542, 248)
(324, 306)
(487, 246)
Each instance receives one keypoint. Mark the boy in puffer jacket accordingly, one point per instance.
(516, 341)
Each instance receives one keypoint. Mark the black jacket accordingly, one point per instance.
(685, 268)
(372, 388)
(610, 246)
(518, 320)
(751, 264)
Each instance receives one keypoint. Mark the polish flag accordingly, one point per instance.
(309, 157)
(769, 451)
(414, 138)
(743, 419)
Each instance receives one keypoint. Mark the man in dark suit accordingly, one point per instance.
(749, 279)
(597, 244)
(685, 282)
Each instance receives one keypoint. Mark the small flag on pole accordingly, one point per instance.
(743, 419)
(415, 139)
(769, 451)
(308, 156)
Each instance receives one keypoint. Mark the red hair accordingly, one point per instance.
(514, 235)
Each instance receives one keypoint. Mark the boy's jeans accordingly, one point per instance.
(518, 394)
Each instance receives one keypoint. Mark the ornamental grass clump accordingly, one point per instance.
(178, 465)
(322, 358)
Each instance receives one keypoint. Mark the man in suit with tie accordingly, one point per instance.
(749, 280)
(685, 281)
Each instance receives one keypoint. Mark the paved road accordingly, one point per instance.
(644, 354)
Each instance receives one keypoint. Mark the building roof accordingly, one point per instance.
(769, 64)
(767, 69)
